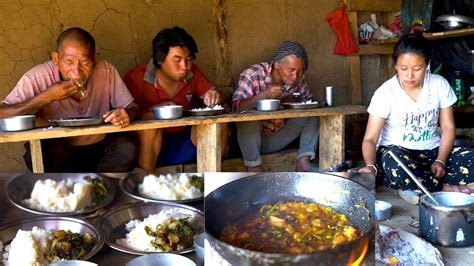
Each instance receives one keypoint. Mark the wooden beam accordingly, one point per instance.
(209, 148)
(36, 156)
(354, 21)
(374, 6)
(280, 161)
(355, 89)
(224, 78)
(354, 85)
(331, 154)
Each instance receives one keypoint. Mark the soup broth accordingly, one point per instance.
(291, 227)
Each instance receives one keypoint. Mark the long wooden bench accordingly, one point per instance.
(281, 161)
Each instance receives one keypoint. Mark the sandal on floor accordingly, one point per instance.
(467, 189)
(410, 196)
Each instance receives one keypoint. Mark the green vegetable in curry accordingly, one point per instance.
(176, 235)
(68, 245)
(99, 189)
(198, 182)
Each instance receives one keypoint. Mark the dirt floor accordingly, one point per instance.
(404, 215)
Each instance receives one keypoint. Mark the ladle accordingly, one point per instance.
(413, 177)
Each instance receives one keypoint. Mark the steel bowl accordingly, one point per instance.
(17, 123)
(164, 259)
(8, 231)
(383, 210)
(129, 185)
(114, 221)
(168, 111)
(20, 188)
(230, 202)
(268, 104)
(199, 246)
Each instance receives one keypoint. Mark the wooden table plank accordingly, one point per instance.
(59, 132)
(209, 153)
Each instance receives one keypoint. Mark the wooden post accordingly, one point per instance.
(331, 141)
(208, 148)
(355, 87)
(36, 156)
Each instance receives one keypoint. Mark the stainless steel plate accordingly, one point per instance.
(302, 105)
(78, 121)
(204, 112)
(129, 186)
(8, 231)
(21, 186)
(113, 222)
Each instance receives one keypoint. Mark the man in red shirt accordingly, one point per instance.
(170, 77)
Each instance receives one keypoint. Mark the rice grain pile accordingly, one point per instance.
(63, 196)
(169, 187)
(27, 248)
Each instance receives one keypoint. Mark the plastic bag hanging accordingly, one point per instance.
(339, 22)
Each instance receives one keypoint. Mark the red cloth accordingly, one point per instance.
(339, 21)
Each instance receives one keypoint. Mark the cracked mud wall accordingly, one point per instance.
(231, 35)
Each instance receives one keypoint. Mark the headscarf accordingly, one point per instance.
(291, 47)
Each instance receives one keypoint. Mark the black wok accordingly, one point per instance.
(228, 203)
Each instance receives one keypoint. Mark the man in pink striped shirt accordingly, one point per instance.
(76, 83)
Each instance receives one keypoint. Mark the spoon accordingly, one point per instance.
(413, 177)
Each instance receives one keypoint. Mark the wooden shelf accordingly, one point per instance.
(449, 34)
(385, 47)
(386, 10)
(465, 109)
(430, 36)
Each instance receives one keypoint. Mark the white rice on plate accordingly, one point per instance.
(59, 196)
(27, 248)
(137, 238)
(215, 107)
(169, 187)
(310, 102)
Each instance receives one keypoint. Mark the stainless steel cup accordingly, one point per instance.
(329, 96)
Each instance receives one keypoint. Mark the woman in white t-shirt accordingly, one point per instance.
(404, 115)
